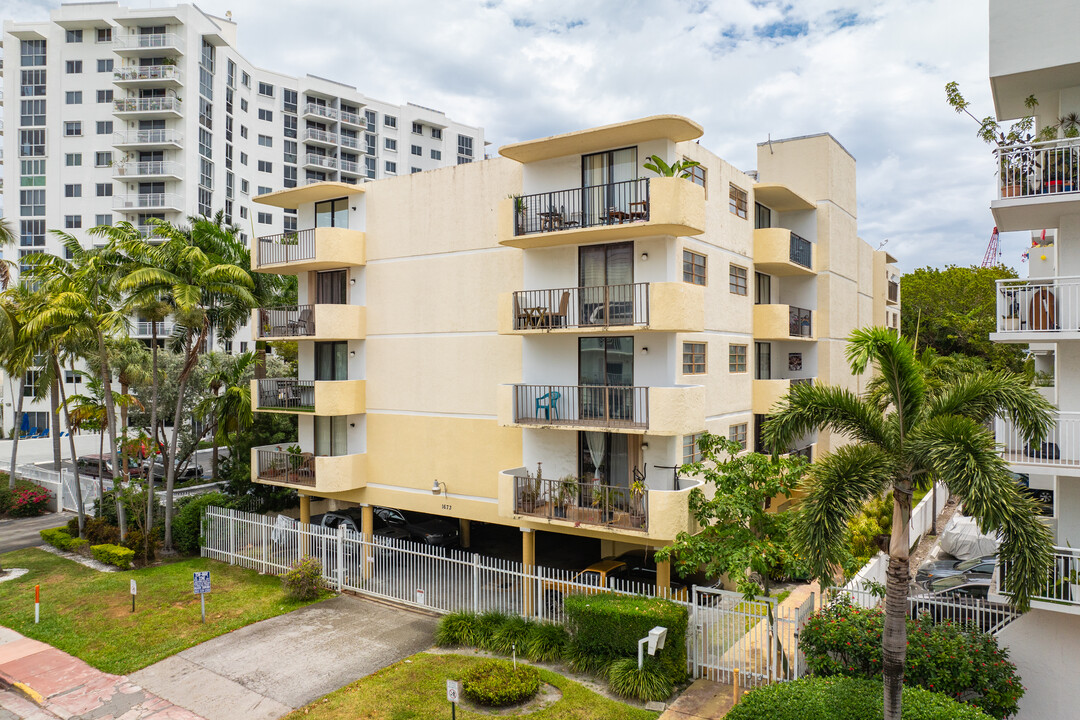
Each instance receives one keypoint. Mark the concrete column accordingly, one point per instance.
(465, 528)
(528, 560)
(367, 529)
(663, 575)
(305, 517)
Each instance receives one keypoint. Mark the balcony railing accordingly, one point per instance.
(151, 232)
(1060, 448)
(286, 394)
(351, 167)
(321, 136)
(350, 142)
(1039, 169)
(802, 252)
(321, 161)
(1062, 584)
(582, 501)
(1043, 306)
(151, 104)
(286, 467)
(320, 110)
(145, 328)
(147, 72)
(149, 168)
(800, 322)
(150, 40)
(351, 118)
(287, 247)
(593, 405)
(584, 307)
(287, 321)
(148, 137)
(591, 206)
(146, 200)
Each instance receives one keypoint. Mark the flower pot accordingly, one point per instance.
(1010, 324)
(1008, 191)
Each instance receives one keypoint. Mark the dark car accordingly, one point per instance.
(641, 566)
(352, 519)
(89, 465)
(976, 567)
(191, 471)
(960, 599)
(423, 528)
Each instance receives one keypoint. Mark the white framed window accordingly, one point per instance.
(389, 121)
(73, 97)
(436, 133)
(104, 35)
(73, 190)
(104, 127)
(417, 128)
(102, 159)
(72, 222)
(436, 154)
(417, 150)
(391, 167)
(104, 190)
(265, 218)
(266, 166)
(105, 65)
(73, 159)
(73, 129)
(266, 141)
(390, 144)
(266, 89)
(265, 114)
(73, 67)
(105, 219)
(73, 36)
(104, 96)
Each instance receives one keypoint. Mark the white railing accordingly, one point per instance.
(148, 168)
(62, 486)
(147, 41)
(986, 615)
(1029, 306)
(150, 104)
(1039, 169)
(1061, 447)
(150, 232)
(1062, 584)
(320, 110)
(145, 328)
(351, 118)
(350, 142)
(320, 160)
(146, 200)
(350, 167)
(148, 137)
(147, 72)
(321, 136)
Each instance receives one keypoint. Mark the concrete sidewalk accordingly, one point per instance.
(703, 700)
(39, 682)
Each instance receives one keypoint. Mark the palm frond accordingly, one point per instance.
(894, 358)
(983, 396)
(811, 407)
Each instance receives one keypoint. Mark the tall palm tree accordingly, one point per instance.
(923, 435)
(7, 237)
(16, 357)
(230, 411)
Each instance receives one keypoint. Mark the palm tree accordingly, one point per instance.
(16, 357)
(7, 237)
(923, 435)
(231, 410)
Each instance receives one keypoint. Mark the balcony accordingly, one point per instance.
(320, 111)
(783, 322)
(321, 137)
(351, 118)
(148, 76)
(320, 161)
(600, 213)
(147, 108)
(1060, 592)
(143, 201)
(1038, 183)
(662, 307)
(323, 248)
(350, 167)
(1038, 310)
(275, 465)
(310, 322)
(352, 142)
(147, 44)
(780, 252)
(145, 329)
(152, 169)
(165, 139)
(317, 397)
(1058, 453)
(675, 410)
(765, 394)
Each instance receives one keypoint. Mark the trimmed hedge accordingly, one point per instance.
(116, 555)
(57, 537)
(187, 520)
(605, 627)
(844, 699)
(497, 683)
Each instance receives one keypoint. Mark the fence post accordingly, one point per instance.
(340, 557)
(475, 583)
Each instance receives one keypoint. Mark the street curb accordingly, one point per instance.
(23, 689)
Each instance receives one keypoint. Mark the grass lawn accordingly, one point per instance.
(88, 613)
(416, 690)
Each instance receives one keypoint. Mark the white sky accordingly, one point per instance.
(871, 72)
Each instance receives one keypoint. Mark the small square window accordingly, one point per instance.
(104, 127)
(73, 97)
(266, 166)
(417, 150)
(74, 36)
(737, 201)
(737, 434)
(104, 190)
(390, 143)
(737, 280)
(73, 67)
(265, 218)
(693, 267)
(104, 96)
(391, 167)
(697, 176)
(105, 65)
(266, 141)
(72, 129)
(73, 222)
(389, 121)
(103, 219)
(436, 133)
(417, 128)
(436, 154)
(266, 89)
(737, 358)
(73, 159)
(693, 358)
(102, 159)
(691, 452)
(415, 170)
(73, 191)
(265, 114)
(104, 35)
(243, 105)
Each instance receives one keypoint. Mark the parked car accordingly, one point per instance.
(596, 575)
(191, 471)
(976, 567)
(641, 568)
(89, 465)
(352, 520)
(959, 599)
(428, 529)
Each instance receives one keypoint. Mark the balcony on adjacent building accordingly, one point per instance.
(310, 322)
(1061, 590)
(597, 213)
(351, 118)
(350, 167)
(144, 201)
(317, 397)
(145, 329)
(320, 161)
(665, 307)
(147, 108)
(782, 322)
(318, 110)
(778, 251)
(1041, 310)
(164, 139)
(148, 76)
(321, 137)
(323, 248)
(149, 169)
(1058, 453)
(139, 44)
(278, 465)
(1037, 184)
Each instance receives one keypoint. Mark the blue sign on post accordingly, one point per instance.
(202, 582)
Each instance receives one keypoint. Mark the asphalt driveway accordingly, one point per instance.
(268, 669)
(19, 533)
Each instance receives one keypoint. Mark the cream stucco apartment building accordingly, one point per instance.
(537, 340)
(1033, 51)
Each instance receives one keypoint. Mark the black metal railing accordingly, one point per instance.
(582, 306)
(286, 467)
(590, 206)
(583, 501)
(287, 247)
(287, 321)
(800, 322)
(612, 406)
(286, 394)
(802, 252)
(894, 291)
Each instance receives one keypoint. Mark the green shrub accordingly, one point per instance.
(486, 627)
(455, 629)
(57, 537)
(496, 683)
(844, 699)
(651, 682)
(587, 662)
(77, 544)
(187, 520)
(514, 633)
(303, 580)
(547, 642)
(960, 662)
(99, 532)
(608, 627)
(29, 501)
(116, 555)
(144, 547)
(73, 526)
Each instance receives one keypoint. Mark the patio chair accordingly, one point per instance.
(553, 318)
(303, 324)
(521, 317)
(548, 402)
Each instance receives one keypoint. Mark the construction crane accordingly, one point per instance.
(993, 251)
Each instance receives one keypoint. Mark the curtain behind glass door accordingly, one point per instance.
(331, 287)
(599, 268)
(763, 361)
(332, 213)
(332, 360)
(330, 434)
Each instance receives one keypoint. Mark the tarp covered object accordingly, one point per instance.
(963, 541)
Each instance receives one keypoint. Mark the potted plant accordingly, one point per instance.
(637, 503)
(1010, 321)
(567, 495)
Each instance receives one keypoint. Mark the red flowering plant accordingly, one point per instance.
(29, 501)
(957, 660)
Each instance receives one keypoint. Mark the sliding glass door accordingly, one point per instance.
(332, 213)
(330, 434)
(606, 374)
(332, 287)
(331, 361)
(599, 173)
(606, 276)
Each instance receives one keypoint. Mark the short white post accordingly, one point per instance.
(37, 604)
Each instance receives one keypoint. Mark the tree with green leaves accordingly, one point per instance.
(909, 438)
(679, 168)
(229, 406)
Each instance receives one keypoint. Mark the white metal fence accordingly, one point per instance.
(984, 614)
(725, 631)
(1060, 448)
(62, 486)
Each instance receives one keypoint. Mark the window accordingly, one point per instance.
(332, 213)
(390, 143)
(265, 218)
(290, 176)
(73, 159)
(244, 186)
(31, 203)
(436, 154)
(73, 97)
(436, 133)
(737, 358)
(73, 222)
(32, 53)
(243, 212)
(391, 167)
(290, 151)
(104, 96)
(32, 83)
(464, 149)
(104, 127)
(266, 166)
(32, 233)
(266, 89)
(389, 121)
(737, 279)
(265, 114)
(762, 289)
(33, 173)
(762, 216)
(73, 129)
(693, 358)
(104, 35)
(737, 201)
(290, 126)
(417, 150)
(31, 143)
(104, 190)
(31, 112)
(243, 158)
(691, 453)
(693, 267)
(369, 167)
(105, 219)
(264, 189)
(73, 67)
(72, 377)
(243, 131)
(288, 100)
(243, 105)
(697, 175)
(737, 434)
(74, 36)
(73, 191)
(417, 128)
(415, 170)
(245, 79)
(105, 65)
(266, 141)
(102, 159)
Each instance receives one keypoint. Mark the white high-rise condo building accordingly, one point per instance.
(113, 113)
